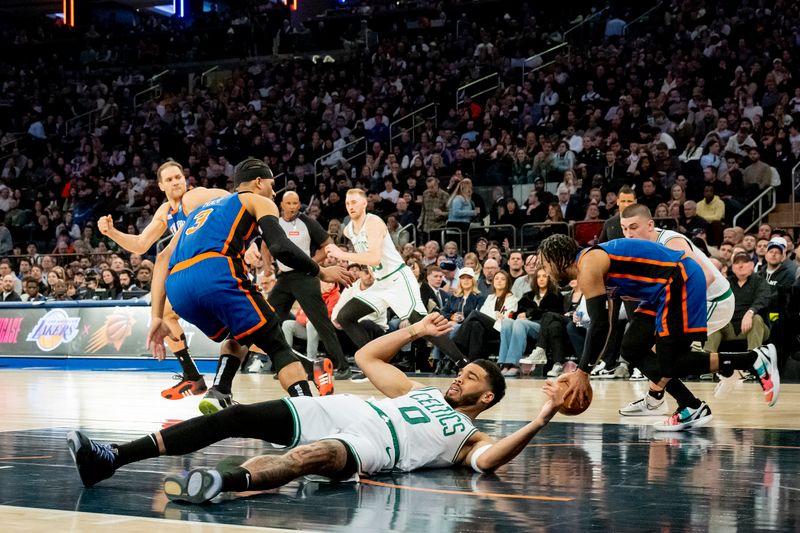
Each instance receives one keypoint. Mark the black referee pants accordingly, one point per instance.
(305, 289)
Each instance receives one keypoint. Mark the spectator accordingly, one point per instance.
(691, 221)
(514, 334)
(776, 272)
(433, 297)
(460, 209)
(404, 216)
(757, 175)
(109, 282)
(516, 266)
(451, 254)
(144, 275)
(570, 210)
(649, 196)
(711, 208)
(484, 325)
(486, 279)
(431, 253)
(612, 228)
(9, 294)
(434, 206)
(752, 295)
(32, 293)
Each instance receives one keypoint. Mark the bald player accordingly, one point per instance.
(308, 235)
(171, 215)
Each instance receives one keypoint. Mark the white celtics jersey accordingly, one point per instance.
(430, 433)
(391, 261)
(720, 284)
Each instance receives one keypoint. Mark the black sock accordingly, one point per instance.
(300, 388)
(682, 395)
(226, 370)
(657, 394)
(187, 364)
(730, 361)
(236, 480)
(137, 450)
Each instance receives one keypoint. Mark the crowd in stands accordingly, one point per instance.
(695, 112)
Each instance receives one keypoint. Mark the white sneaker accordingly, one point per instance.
(637, 375)
(622, 371)
(537, 357)
(685, 418)
(555, 371)
(599, 367)
(728, 385)
(647, 406)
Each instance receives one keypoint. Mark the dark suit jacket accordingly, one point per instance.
(12, 297)
(612, 229)
(429, 299)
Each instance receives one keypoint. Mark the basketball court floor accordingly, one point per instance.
(594, 472)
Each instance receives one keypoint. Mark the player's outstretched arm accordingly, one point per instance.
(374, 357)
(284, 250)
(158, 296)
(137, 244)
(484, 454)
(593, 267)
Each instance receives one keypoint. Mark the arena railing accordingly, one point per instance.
(542, 60)
(346, 154)
(795, 184)
(501, 232)
(414, 116)
(61, 259)
(585, 21)
(412, 229)
(532, 233)
(642, 17)
(478, 87)
(765, 203)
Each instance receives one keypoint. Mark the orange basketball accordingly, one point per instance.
(570, 407)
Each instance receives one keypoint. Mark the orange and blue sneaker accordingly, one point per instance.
(685, 418)
(323, 376)
(185, 387)
(766, 368)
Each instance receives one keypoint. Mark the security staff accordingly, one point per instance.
(310, 237)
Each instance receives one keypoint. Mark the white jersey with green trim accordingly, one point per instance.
(720, 285)
(430, 433)
(391, 260)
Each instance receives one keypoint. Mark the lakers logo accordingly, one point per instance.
(53, 329)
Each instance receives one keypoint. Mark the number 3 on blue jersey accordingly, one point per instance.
(199, 220)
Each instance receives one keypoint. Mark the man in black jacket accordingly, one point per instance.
(612, 229)
(8, 289)
(775, 271)
(752, 296)
(431, 291)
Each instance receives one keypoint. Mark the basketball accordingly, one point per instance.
(569, 407)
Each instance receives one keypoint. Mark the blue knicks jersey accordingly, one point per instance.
(176, 218)
(640, 270)
(221, 227)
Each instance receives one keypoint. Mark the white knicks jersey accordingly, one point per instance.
(430, 433)
(720, 285)
(391, 260)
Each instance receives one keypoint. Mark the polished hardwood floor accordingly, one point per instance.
(597, 471)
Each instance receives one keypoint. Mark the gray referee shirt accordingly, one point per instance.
(306, 233)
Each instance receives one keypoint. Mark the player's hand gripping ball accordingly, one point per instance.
(572, 406)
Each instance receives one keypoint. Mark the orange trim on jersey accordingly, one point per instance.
(249, 232)
(233, 230)
(194, 260)
(249, 297)
(583, 253)
(642, 260)
(636, 278)
(665, 330)
(646, 312)
(218, 334)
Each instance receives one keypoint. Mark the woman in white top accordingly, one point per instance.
(483, 325)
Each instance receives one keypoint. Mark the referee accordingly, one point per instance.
(309, 236)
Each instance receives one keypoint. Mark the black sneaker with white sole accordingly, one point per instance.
(94, 461)
(200, 485)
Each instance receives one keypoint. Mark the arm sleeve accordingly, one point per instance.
(315, 230)
(599, 332)
(283, 249)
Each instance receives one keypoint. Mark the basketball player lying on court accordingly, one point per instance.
(341, 436)
(671, 289)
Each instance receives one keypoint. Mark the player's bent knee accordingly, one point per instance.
(230, 346)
